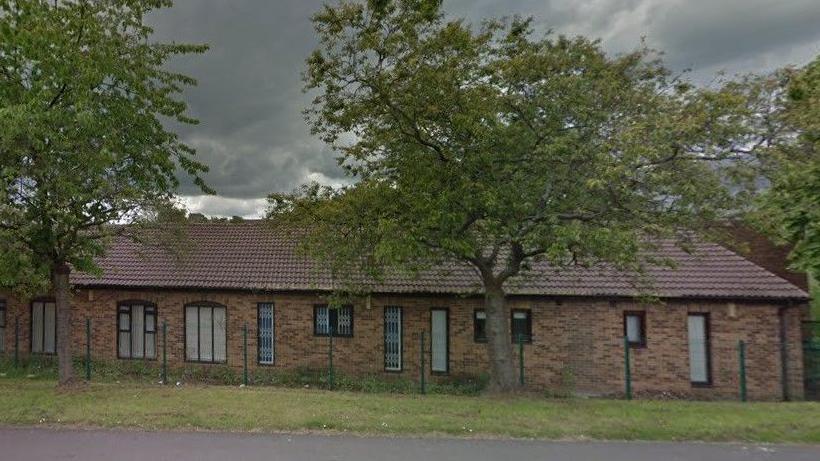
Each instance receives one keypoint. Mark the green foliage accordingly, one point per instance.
(149, 372)
(265, 410)
(790, 208)
(85, 111)
(494, 147)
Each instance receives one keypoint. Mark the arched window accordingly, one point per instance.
(205, 332)
(136, 330)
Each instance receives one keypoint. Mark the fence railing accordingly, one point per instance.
(418, 383)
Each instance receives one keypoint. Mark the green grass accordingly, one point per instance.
(266, 409)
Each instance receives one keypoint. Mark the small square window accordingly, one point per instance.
(521, 326)
(635, 328)
(480, 326)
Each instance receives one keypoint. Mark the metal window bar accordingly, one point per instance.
(393, 338)
(265, 333)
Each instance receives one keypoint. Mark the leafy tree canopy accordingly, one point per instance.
(494, 146)
(790, 207)
(85, 106)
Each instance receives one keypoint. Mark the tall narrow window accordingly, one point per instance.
(43, 327)
(264, 321)
(439, 340)
(2, 325)
(480, 326)
(521, 325)
(699, 360)
(338, 321)
(392, 338)
(635, 328)
(136, 330)
(205, 326)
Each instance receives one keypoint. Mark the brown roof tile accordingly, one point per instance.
(254, 256)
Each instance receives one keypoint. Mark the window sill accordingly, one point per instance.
(138, 359)
(202, 362)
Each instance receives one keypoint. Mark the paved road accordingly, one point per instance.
(47, 444)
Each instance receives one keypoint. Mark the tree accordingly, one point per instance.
(84, 105)
(789, 207)
(494, 148)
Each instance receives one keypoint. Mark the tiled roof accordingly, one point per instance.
(253, 255)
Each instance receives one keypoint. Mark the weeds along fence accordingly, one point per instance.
(324, 364)
(327, 361)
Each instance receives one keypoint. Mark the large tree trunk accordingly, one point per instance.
(62, 298)
(499, 344)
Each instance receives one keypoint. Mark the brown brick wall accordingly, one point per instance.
(577, 343)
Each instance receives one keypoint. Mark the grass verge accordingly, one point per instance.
(36, 402)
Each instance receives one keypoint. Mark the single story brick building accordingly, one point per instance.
(573, 321)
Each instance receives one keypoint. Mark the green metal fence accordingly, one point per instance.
(811, 359)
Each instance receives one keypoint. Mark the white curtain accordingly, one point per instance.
(219, 324)
(205, 334)
(37, 327)
(50, 329)
(125, 334)
(698, 362)
(137, 331)
(192, 333)
(633, 328)
(150, 334)
(439, 340)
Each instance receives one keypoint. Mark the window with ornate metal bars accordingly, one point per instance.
(265, 326)
(43, 327)
(136, 330)
(205, 339)
(393, 338)
(338, 321)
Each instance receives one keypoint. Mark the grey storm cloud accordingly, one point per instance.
(249, 99)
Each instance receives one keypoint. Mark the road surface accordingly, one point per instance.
(94, 445)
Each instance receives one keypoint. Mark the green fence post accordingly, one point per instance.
(521, 359)
(16, 342)
(627, 371)
(330, 358)
(164, 352)
(245, 354)
(421, 362)
(88, 349)
(741, 352)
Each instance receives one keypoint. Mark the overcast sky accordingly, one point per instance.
(249, 99)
